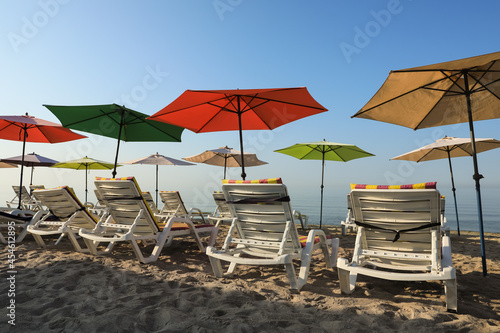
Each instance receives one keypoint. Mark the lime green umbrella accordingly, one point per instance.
(85, 164)
(115, 121)
(324, 150)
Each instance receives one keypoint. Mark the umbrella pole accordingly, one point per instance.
(31, 179)
(225, 163)
(157, 185)
(22, 167)
(243, 174)
(86, 190)
(453, 189)
(118, 144)
(322, 178)
(477, 176)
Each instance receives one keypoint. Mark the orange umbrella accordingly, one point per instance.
(31, 129)
(240, 109)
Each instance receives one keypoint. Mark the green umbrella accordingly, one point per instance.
(85, 164)
(324, 150)
(117, 122)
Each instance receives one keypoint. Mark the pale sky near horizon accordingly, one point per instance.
(144, 54)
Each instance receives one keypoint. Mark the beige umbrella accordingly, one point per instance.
(441, 94)
(448, 147)
(157, 159)
(226, 157)
(7, 165)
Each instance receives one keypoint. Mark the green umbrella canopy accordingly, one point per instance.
(324, 150)
(117, 122)
(320, 150)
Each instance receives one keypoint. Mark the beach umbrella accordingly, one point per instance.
(324, 151)
(451, 92)
(157, 159)
(239, 109)
(30, 129)
(30, 160)
(86, 164)
(226, 157)
(449, 147)
(4, 165)
(115, 121)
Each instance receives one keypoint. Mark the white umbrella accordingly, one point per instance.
(449, 147)
(226, 157)
(157, 159)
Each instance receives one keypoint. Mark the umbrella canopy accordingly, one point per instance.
(324, 151)
(446, 93)
(448, 147)
(86, 164)
(5, 165)
(245, 109)
(30, 160)
(115, 121)
(226, 157)
(31, 129)
(157, 159)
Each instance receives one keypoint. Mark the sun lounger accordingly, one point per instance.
(399, 238)
(263, 232)
(131, 220)
(14, 224)
(65, 217)
(221, 214)
(173, 205)
(150, 201)
(27, 201)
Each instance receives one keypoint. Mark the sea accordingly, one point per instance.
(335, 208)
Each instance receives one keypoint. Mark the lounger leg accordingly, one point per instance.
(346, 278)
(216, 266)
(39, 240)
(91, 246)
(138, 252)
(290, 270)
(335, 252)
(74, 241)
(450, 291)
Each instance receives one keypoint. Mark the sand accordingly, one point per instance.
(60, 290)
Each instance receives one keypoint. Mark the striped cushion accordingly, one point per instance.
(122, 178)
(256, 181)
(303, 240)
(419, 186)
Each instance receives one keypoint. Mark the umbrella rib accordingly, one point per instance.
(141, 120)
(438, 101)
(399, 96)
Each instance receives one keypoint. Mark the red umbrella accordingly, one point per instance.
(240, 109)
(31, 129)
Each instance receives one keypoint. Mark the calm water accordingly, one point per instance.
(335, 208)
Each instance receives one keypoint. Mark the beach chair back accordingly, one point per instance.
(64, 205)
(264, 218)
(222, 208)
(402, 221)
(173, 204)
(25, 196)
(123, 198)
(150, 201)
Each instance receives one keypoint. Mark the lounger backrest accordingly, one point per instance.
(383, 212)
(63, 204)
(123, 198)
(150, 201)
(262, 211)
(25, 196)
(172, 203)
(221, 203)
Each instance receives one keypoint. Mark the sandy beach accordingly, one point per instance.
(60, 290)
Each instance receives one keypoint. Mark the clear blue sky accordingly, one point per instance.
(144, 54)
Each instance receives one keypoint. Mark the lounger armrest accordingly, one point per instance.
(302, 218)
